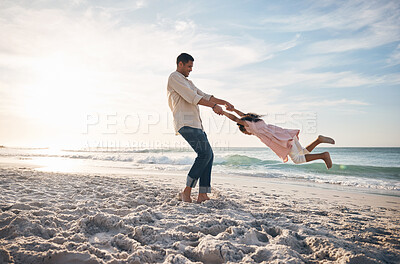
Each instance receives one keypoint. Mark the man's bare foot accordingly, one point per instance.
(327, 159)
(185, 195)
(185, 198)
(324, 139)
(202, 197)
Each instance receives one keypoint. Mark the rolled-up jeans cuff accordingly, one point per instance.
(204, 189)
(190, 182)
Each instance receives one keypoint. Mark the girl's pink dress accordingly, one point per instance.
(276, 138)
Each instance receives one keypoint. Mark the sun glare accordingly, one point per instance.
(58, 165)
(60, 89)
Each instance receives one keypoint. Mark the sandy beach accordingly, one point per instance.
(49, 217)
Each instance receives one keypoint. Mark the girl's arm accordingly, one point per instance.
(234, 118)
(238, 112)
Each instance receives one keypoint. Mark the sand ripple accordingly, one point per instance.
(65, 218)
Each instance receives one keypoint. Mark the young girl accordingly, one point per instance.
(282, 141)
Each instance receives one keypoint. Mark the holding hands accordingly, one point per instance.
(229, 106)
(217, 109)
(215, 102)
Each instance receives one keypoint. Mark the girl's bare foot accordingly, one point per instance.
(327, 159)
(324, 139)
(202, 197)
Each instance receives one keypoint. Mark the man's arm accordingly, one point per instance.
(215, 107)
(179, 85)
(216, 100)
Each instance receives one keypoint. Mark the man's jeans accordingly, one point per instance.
(201, 168)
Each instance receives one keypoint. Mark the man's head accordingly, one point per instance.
(184, 64)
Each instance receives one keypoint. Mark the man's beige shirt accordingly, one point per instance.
(183, 97)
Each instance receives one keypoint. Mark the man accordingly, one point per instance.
(183, 99)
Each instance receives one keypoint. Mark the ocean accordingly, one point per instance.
(375, 170)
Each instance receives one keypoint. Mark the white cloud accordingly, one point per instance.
(394, 58)
(374, 37)
(348, 15)
(91, 58)
(290, 44)
(117, 7)
(121, 61)
(271, 78)
(184, 25)
(389, 79)
(89, 61)
(328, 103)
(366, 24)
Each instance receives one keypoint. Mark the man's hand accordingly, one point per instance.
(218, 110)
(229, 106)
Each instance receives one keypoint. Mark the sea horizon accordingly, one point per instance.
(370, 169)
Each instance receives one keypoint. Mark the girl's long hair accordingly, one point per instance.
(252, 117)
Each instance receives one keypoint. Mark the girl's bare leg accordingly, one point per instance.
(319, 140)
(324, 156)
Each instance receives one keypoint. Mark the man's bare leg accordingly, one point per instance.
(319, 140)
(326, 157)
(185, 195)
(202, 197)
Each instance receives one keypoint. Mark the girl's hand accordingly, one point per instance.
(229, 106)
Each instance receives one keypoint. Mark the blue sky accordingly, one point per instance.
(81, 73)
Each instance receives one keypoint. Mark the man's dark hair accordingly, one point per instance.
(184, 58)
